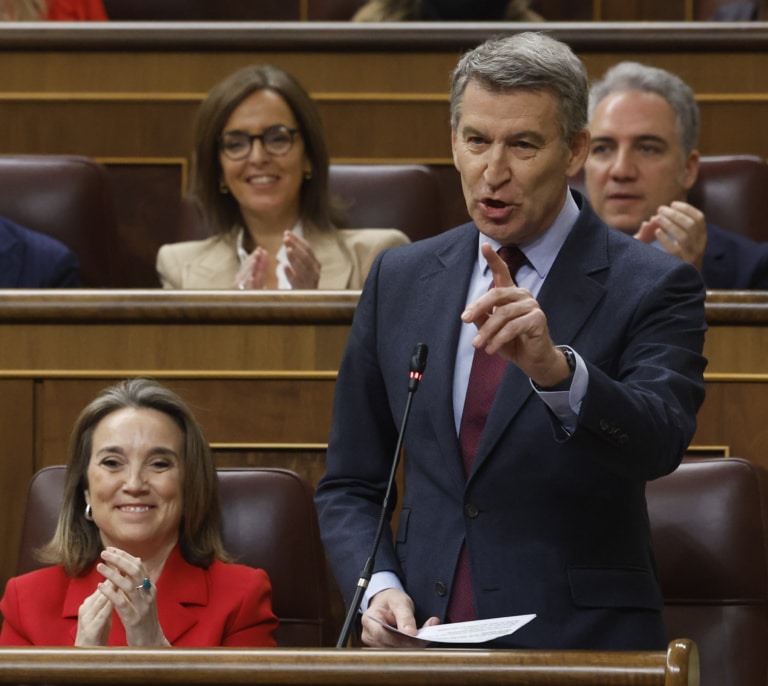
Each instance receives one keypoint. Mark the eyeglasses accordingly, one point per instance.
(276, 140)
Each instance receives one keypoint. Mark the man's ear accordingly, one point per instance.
(691, 170)
(578, 149)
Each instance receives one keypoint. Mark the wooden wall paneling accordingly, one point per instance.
(307, 461)
(202, 10)
(733, 415)
(120, 127)
(644, 10)
(356, 129)
(17, 429)
(172, 347)
(395, 130)
(738, 75)
(565, 10)
(186, 75)
(735, 349)
(731, 126)
(263, 416)
(331, 10)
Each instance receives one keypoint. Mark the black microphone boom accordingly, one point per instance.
(417, 366)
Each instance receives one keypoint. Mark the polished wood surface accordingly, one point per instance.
(678, 666)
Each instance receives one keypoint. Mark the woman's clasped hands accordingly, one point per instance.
(127, 591)
(302, 268)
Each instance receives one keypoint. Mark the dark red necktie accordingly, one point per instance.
(484, 379)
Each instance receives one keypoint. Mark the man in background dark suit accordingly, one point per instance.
(538, 507)
(32, 260)
(741, 11)
(642, 163)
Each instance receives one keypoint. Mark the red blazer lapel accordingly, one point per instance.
(182, 590)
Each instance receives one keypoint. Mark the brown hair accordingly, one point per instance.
(76, 542)
(221, 210)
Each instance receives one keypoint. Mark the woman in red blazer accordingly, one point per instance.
(138, 554)
(52, 10)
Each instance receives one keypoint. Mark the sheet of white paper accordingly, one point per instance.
(476, 631)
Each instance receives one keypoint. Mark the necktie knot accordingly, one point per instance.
(514, 258)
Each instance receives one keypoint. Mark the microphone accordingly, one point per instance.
(416, 372)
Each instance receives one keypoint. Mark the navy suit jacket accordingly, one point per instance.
(732, 261)
(736, 11)
(32, 260)
(555, 525)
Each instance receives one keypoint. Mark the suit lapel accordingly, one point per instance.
(181, 590)
(216, 266)
(568, 296)
(449, 275)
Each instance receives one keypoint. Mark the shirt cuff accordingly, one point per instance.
(566, 405)
(380, 581)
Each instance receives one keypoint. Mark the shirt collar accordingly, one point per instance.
(542, 250)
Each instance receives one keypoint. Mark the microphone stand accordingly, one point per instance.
(418, 363)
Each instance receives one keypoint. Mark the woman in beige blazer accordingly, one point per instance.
(260, 180)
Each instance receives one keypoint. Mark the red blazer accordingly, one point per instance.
(224, 605)
(76, 10)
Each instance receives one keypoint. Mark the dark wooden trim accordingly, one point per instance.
(648, 37)
(737, 307)
(678, 666)
(79, 306)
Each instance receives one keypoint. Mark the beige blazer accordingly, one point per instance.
(346, 256)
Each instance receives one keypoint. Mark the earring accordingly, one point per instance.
(307, 175)
(88, 513)
(223, 188)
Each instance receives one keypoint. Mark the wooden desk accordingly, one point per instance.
(678, 666)
(258, 369)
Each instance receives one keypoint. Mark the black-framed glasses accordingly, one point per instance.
(276, 140)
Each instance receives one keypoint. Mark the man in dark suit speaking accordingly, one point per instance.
(532, 501)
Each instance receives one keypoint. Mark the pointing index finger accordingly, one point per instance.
(498, 267)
